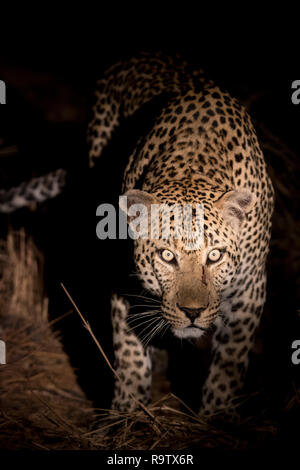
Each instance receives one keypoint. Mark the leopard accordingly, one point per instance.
(201, 150)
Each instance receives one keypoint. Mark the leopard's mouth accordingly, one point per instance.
(192, 325)
(190, 331)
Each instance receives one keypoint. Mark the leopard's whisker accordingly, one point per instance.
(134, 320)
(164, 330)
(142, 305)
(145, 312)
(148, 326)
(142, 314)
(143, 297)
(153, 317)
(149, 334)
(155, 331)
(162, 322)
(137, 320)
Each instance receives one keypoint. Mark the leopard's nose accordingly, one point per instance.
(191, 313)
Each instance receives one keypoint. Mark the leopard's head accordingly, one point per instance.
(187, 273)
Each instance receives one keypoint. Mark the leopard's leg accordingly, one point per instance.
(34, 191)
(132, 361)
(232, 343)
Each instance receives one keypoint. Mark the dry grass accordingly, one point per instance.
(41, 403)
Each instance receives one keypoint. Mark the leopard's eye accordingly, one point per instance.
(167, 256)
(215, 255)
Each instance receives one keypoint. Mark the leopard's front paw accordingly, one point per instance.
(228, 413)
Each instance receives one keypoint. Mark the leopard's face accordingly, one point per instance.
(189, 283)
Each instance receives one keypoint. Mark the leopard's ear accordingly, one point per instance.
(234, 206)
(134, 201)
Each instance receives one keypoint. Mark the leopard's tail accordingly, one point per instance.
(126, 87)
(36, 190)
